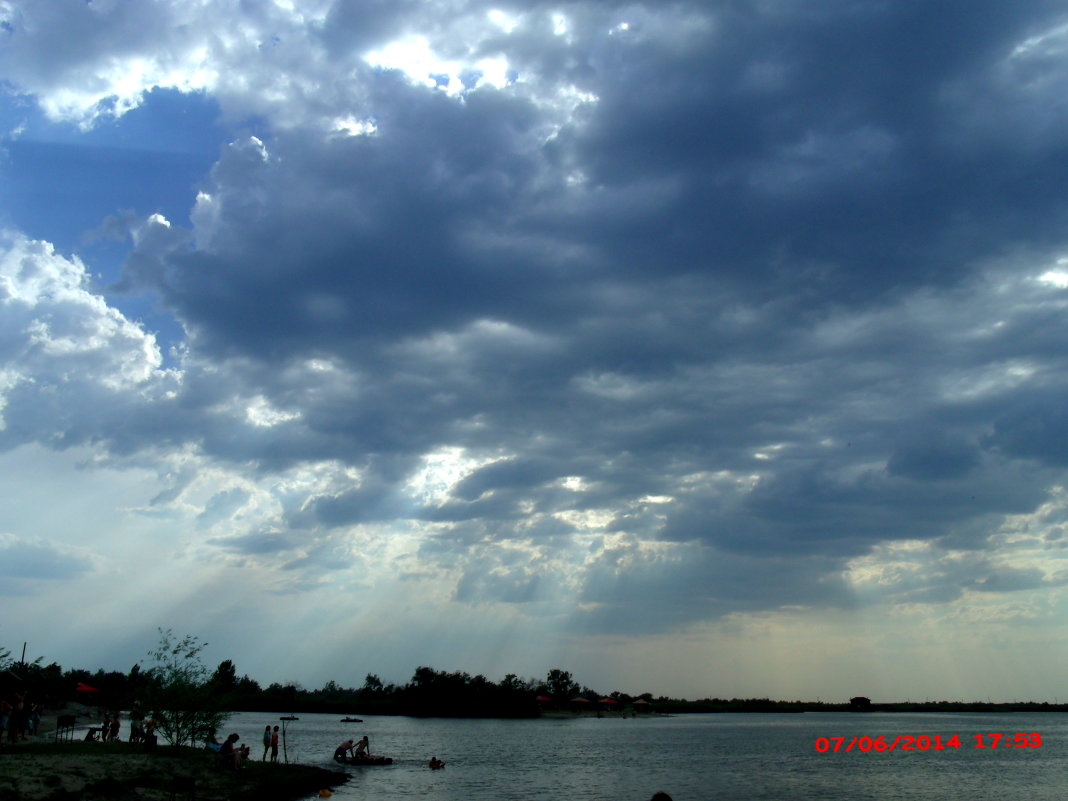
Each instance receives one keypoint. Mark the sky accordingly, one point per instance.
(702, 348)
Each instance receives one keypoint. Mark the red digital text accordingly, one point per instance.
(929, 742)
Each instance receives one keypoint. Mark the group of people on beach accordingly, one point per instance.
(20, 717)
(108, 729)
(234, 756)
(142, 729)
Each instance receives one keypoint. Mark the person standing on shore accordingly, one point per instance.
(15, 721)
(266, 742)
(274, 745)
(136, 719)
(148, 733)
(35, 719)
(5, 715)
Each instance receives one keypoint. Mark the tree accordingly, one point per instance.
(179, 692)
(560, 684)
(511, 683)
(224, 679)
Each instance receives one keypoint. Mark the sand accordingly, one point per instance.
(43, 770)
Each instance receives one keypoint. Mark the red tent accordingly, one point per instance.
(85, 688)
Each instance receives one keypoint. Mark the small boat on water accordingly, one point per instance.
(289, 717)
(364, 760)
(352, 720)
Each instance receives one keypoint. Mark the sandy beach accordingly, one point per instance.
(43, 770)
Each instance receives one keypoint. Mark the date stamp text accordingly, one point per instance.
(929, 742)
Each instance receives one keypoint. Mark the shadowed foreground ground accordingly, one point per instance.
(119, 771)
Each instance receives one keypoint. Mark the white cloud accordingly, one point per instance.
(64, 348)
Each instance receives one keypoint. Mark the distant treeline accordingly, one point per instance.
(433, 693)
(672, 706)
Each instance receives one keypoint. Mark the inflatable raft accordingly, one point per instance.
(364, 760)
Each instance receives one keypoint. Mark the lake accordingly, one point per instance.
(692, 757)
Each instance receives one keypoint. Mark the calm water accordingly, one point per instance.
(692, 757)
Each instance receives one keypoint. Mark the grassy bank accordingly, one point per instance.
(120, 772)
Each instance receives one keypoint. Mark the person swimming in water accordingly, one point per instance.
(343, 750)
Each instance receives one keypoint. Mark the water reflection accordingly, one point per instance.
(693, 757)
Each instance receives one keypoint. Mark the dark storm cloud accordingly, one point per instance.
(378, 502)
(764, 293)
(1009, 580)
(255, 544)
(366, 232)
(507, 473)
(1036, 428)
(820, 146)
(934, 455)
(842, 178)
(358, 25)
(631, 593)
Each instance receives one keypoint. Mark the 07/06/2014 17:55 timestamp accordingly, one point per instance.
(924, 742)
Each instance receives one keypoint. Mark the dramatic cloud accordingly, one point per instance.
(600, 319)
(71, 362)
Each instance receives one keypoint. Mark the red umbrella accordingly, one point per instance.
(608, 701)
(543, 698)
(85, 688)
